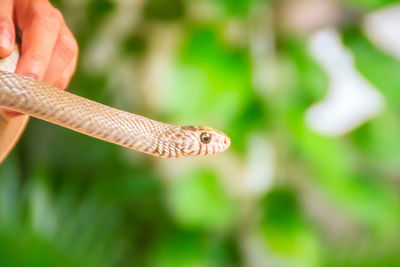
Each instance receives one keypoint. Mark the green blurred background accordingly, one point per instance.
(287, 192)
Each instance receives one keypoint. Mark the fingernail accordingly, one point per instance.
(30, 75)
(5, 40)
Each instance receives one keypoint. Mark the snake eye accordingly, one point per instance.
(205, 138)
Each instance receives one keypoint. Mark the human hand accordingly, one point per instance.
(49, 51)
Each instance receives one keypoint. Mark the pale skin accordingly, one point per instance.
(49, 51)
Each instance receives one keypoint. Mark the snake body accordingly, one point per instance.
(25, 95)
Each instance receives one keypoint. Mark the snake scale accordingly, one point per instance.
(25, 95)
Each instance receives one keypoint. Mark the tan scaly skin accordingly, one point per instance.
(45, 102)
(10, 128)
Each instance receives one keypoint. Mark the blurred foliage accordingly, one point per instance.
(70, 200)
(369, 4)
(164, 10)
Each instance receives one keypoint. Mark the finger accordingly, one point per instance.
(7, 33)
(63, 80)
(39, 37)
(65, 50)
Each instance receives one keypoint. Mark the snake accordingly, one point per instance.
(37, 99)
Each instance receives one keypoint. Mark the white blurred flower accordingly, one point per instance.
(351, 99)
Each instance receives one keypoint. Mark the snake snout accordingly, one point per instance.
(223, 143)
(226, 142)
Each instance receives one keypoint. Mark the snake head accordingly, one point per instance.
(190, 141)
(203, 141)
